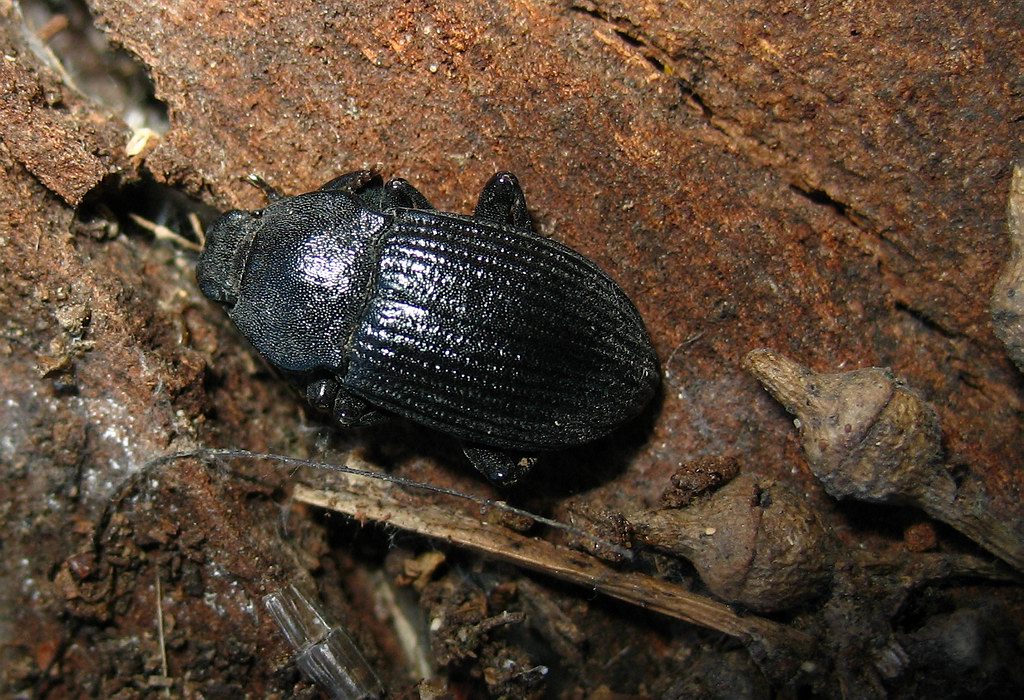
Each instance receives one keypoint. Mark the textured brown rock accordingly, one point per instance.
(830, 182)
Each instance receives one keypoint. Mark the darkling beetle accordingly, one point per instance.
(372, 302)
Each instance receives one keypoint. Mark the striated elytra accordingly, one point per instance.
(374, 302)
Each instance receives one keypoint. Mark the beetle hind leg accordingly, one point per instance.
(503, 468)
(502, 202)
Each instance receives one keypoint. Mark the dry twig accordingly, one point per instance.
(369, 499)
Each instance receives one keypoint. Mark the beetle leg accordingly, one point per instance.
(348, 409)
(320, 394)
(503, 468)
(354, 182)
(399, 193)
(351, 410)
(502, 202)
(368, 185)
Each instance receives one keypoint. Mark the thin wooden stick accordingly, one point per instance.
(369, 499)
(163, 233)
(783, 652)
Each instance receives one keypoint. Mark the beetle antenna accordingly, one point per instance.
(271, 193)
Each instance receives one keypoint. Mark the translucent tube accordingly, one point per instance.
(325, 652)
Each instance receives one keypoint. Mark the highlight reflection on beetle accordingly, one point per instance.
(375, 303)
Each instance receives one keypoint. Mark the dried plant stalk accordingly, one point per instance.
(368, 499)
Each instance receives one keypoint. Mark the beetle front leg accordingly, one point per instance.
(502, 202)
(503, 468)
(354, 182)
(347, 409)
(368, 185)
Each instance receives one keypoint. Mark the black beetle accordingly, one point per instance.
(477, 326)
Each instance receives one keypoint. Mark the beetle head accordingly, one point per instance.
(222, 262)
